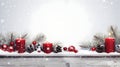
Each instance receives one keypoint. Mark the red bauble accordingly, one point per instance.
(34, 43)
(11, 43)
(4, 47)
(65, 48)
(93, 48)
(10, 49)
(38, 51)
(75, 51)
(71, 48)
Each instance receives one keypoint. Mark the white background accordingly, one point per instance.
(68, 21)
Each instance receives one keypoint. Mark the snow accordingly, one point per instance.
(2, 3)
(2, 21)
(63, 53)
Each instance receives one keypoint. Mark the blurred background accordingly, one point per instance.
(68, 21)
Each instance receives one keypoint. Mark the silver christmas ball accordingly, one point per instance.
(117, 48)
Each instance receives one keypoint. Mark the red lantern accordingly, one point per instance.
(20, 45)
(47, 47)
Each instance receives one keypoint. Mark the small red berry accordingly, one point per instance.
(39, 51)
(75, 51)
(34, 42)
(11, 43)
(93, 48)
(65, 48)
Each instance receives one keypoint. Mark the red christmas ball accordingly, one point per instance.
(10, 49)
(4, 47)
(75, 51)
(65, 48)
(34, 42)
(11, 43)
(71, 48)
(93, 48)
(38, 51)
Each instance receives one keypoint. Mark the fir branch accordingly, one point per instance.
(57, 43)
(86, 44)
(11, 37)
(99, 39)
(2, 39)
(23, 36)
(40, 38)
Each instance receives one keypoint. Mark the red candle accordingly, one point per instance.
(20, 45)
(21, 50)
(47, 47)
(17, 42)
(109, 44)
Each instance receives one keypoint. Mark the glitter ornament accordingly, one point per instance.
(38, 48)
(117, 48)
(30, 48)
(57, 49)
(100, 48)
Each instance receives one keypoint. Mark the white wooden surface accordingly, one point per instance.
(59, 62)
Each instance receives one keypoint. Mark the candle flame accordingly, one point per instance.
(110, 34)
(20, 36)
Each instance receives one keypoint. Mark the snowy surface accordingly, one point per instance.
(63, 53)
(62, 61)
